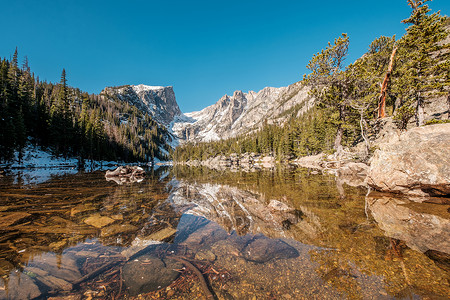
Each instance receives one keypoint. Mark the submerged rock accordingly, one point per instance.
(117, 229)
(98, 221)
(148, 273)
(66, 268)
(11, 218)
(205, 255)
(414, 163)
(262, 250)
(18, 287)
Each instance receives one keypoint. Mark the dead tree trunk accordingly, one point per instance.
(340, 131)
(420, 114)
(382, 100)
(448, 104)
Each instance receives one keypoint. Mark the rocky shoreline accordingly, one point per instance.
(414, 163)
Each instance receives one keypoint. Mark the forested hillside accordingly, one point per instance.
(70, 122)
(394, 78)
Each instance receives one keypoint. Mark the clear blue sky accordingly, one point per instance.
(205, 49)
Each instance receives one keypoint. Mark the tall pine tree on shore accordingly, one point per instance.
(422, 65)
(330, 82)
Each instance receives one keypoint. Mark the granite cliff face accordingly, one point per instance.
(242, 113)
(158, 101)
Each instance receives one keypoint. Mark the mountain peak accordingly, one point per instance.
(242, 113)
(143, 88)
(158, 101)
(238, 94)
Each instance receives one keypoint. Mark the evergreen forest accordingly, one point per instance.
(71, 123)
(395, 78)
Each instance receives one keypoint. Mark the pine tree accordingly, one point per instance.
(330, 82)
(7, 130)
(63, 93)
(420, 73)
(26, 94)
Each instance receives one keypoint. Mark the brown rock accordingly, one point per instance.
(8, 219)
(84, 253)
(98, 221)
(117, 217)
(81, 208)
(57, 246)
(352, 174)
(116, 229)
(415, 163)
(162, 234)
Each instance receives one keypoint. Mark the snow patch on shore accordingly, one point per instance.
(39, 165)
(37, 157)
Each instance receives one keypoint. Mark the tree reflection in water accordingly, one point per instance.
(271, 234)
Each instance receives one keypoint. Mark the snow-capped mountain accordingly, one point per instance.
(158, 101)
(229, 117)
(242, 113)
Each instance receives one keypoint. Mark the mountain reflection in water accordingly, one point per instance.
(276, 234)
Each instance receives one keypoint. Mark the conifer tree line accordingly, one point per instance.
(415, 70)
(70, 122)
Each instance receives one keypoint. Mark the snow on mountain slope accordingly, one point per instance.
(229, 117)
(242, 113)
(158, 101)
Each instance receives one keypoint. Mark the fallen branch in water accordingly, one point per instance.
(120, 283)
(203, 283)
(95, 272)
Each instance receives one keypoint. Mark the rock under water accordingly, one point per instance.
(149, 273)
(262, 250)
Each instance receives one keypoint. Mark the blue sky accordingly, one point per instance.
(205, 49)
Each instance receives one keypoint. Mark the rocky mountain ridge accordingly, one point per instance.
(242, 113)
(158, 101)
(230, 116)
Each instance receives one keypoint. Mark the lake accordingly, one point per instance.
(192, 233)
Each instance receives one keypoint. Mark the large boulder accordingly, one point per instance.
(148, 273)
(415, 162)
